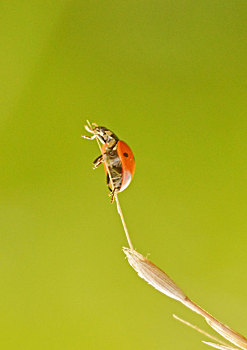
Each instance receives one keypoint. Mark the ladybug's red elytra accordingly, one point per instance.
(117, 157)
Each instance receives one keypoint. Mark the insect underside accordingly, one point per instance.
(114, 169)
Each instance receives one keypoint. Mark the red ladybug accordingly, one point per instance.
(117, 157)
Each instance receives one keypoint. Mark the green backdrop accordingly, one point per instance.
(169, 78)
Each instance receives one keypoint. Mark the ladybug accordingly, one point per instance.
(117, 157)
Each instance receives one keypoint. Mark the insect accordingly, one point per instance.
(117, 157)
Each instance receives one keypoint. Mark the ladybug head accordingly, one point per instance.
(104, 135)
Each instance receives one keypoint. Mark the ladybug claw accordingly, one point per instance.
(96, 166)
(112, 195)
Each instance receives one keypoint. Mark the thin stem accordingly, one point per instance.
(123, 222)
(200, 330)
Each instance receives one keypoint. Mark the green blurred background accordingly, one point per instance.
(169, 78)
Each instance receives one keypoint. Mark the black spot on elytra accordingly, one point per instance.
(125, 154)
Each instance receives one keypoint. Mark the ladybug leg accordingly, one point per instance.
(112, 195)
(89, 137)
(113, 191)
(99, 160)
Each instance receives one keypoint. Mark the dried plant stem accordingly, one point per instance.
(226, 332)
(123, 222)
(162, 282)
(199, 330)
(218, 346)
